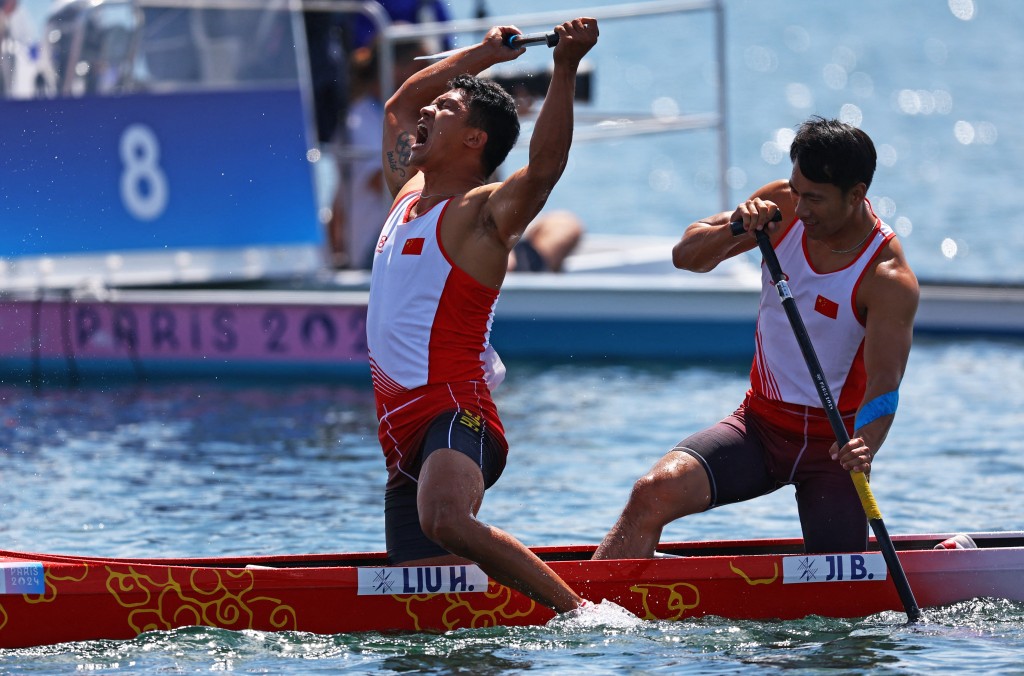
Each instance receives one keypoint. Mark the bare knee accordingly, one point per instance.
(649, 498)
(675, 487)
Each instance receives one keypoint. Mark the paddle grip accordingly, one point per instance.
(517, 41)
(737, 226)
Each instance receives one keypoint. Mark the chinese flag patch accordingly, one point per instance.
(413, 246)
(827, 307)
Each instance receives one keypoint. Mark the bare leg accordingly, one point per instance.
(450, 491)
(677, 485)
(554, 235)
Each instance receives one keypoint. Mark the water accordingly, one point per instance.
(220, 468)
(205, 468)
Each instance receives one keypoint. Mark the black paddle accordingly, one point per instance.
(511, 41)
(867, 499)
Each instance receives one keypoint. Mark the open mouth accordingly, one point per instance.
(421, 133)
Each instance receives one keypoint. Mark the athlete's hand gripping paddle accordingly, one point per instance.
(867, 499)
(512, 42)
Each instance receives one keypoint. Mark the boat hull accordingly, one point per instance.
(48, 599)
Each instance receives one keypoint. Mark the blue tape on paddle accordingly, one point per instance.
(883, 404)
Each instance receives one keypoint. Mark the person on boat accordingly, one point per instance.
(857, 296)
(438, 267)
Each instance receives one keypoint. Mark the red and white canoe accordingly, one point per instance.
(46, 598)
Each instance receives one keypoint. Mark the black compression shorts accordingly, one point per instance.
(745, 457)
(460, 431)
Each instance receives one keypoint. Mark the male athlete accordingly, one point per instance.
(437, 270)
(857, 297)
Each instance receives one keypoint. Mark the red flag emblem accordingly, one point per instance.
(827, 307)
(413, 246)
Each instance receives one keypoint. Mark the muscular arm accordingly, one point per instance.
(709, 241)
(402, 111)
(889, 299)
(521, 196)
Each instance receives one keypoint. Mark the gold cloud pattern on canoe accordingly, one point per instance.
(752, 582)
(210, 597)
(667, 601)
(469, 610)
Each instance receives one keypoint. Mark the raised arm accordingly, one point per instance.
(709, 241)
(402, 110)
(514, 204)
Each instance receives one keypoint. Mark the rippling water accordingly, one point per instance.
(242, 468)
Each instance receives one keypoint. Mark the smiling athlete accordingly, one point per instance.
(858, 297)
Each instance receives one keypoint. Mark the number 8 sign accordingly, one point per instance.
(143, 184)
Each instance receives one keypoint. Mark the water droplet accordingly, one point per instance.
(772, 153)
(987, 133)
(948, 248)
(761, 59)
(736, 178)
(885, 206)
(962, 9)
(834, 76)
(665, 107)
(964, 132)
(887, 155)
(799, 95)
(851, 114)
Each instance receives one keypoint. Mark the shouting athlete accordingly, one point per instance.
(437, 270)
(857, 296)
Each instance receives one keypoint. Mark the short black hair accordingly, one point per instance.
(493, 110)
(830, 151)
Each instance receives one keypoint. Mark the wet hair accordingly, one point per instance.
(492, 110)
(830, 151)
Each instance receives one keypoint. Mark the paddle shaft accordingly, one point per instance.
(525, 40)
(867, 499)
(511, 41)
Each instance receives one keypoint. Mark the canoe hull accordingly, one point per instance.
(81, 598)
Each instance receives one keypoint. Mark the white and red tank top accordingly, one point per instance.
(428, 321)
(781, 388)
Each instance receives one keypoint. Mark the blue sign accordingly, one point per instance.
(155, 173)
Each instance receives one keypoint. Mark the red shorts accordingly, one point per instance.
(404, 420)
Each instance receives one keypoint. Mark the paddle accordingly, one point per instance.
(512, 41)
(867, 499)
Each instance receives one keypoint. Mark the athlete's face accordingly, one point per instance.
(824, 208)
(441, 127)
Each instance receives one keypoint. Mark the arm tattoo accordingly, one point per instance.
(398, 158)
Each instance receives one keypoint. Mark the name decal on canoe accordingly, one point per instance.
(22, 578)
(421, 580)
(833, 568)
